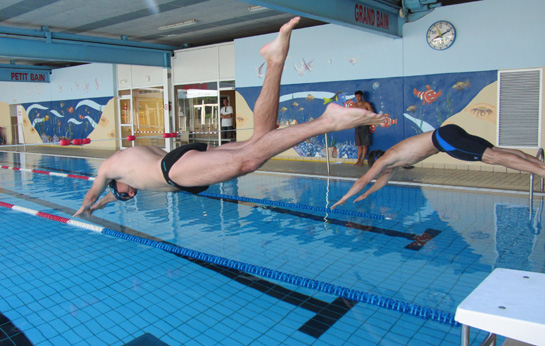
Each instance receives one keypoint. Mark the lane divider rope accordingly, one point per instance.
(39, 171)
(236, 198)
(343, 292)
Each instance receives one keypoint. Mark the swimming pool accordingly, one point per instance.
(404, 248)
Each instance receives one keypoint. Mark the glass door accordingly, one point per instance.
(197, 113)
(126, 124)
(149, 119)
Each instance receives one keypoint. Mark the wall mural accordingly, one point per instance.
(412, 105)
(68, 119)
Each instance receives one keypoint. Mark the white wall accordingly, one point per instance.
(337, 53)
(204, 64)
(77, 82)
(491, 34)
(135, 76)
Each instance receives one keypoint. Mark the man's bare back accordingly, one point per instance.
(138, 167)
(410, 151)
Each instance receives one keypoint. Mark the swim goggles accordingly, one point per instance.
(121, 196)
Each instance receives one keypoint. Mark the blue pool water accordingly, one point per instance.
(421, 247)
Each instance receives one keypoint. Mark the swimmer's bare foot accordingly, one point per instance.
(277, 50)
(359, 163)
(342, 118)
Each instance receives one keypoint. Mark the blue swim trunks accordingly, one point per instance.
(455, 141)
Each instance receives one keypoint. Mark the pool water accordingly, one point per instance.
(427, 248)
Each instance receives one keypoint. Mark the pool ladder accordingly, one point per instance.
(539, 156)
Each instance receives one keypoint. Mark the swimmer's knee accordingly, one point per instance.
(250, 163)
(493, 156)
(249, 166)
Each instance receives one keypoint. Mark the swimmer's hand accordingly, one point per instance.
(83, 211)
(101, 204)
(340, 202)
(362, 197)
(343, 200)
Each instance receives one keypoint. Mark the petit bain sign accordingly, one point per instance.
(17, 75)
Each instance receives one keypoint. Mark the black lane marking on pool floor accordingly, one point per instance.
(326, 313)
(418, 241)
(10, 334)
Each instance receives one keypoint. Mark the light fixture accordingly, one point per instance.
(177, 25)
(257, 8)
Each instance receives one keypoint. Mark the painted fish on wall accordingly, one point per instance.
(428, 96)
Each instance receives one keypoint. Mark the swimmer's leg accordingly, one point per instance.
(509, 159)
(213, 166)
(266, 107)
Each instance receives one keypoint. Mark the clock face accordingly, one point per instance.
(441, 35)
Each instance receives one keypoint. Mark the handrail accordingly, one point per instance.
(540, 156)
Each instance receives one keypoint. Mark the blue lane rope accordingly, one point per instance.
(295, 206)
(343, 292)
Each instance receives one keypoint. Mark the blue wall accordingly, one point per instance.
(409, 113)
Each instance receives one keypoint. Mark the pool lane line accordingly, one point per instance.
(412, 184)
(296, 206)
(242, 199)
(339, 291)
(327, 314)
(69, 211)
(38, 167)
(417, 241)
(326, 177)
(38, 171)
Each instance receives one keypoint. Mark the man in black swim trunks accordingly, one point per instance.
(450, 139)
(192, 168)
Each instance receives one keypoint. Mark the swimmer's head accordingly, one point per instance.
(122, 196)
(373, 156)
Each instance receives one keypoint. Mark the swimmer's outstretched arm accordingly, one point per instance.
(99, 185)
(378, 168)
(358, 185)
(379, 184)
(103, 202)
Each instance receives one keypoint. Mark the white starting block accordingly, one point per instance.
(508, 302)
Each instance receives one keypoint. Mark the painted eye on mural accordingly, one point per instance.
(441, 35)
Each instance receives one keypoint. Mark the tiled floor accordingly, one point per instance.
(444, 177)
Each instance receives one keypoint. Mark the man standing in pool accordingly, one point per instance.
(195, 166)
(450, 139)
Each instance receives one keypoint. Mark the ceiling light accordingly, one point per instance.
(177, 25)
(257, 8)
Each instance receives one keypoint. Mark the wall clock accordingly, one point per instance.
(441, 35)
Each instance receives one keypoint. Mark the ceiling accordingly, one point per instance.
(216, 21)
(151, 21)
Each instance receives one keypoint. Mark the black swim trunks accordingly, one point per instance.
(455, 141)
(171, 158)
(363, 135)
